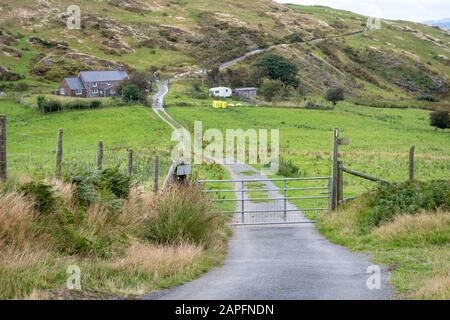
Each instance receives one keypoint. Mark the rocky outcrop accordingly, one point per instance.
(55, 67)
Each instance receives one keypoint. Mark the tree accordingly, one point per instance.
(440, 119)
(278, 68)
(271, 88)
(130, 93)
(139, 79)
(335, 95)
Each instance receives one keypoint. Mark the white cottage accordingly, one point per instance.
(220, 92)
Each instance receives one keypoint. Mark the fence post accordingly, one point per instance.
(243, 201)
(340, 184)
(156, 174)
(59, 153)
(411, 163)
(285, 200)
(334, 172)
(3, 163)
(330, 193)
(130, 162)
(99, 159)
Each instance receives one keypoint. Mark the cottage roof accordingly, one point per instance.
(74, 83)
(100, 76)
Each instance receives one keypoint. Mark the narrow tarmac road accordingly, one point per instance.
(282, 262)
(277, 261)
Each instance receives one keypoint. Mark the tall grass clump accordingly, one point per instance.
(125, 240)
(405, 226)
(421, 229)
(287, 168)
(183, 215)
(388, 201)
(17, 221)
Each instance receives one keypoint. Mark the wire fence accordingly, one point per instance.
(41, 161)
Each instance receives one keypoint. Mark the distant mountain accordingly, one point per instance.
(444, 23)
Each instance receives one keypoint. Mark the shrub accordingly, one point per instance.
(200, 95)
(78, 105)
(183, 104)
(183, 215)
(52, 106)
(112, 180)
(334, 95)
(287, 168)
(90, 232)
(428, 98)
(440, 119)
(95, 104)
(40, 102)
(278, 68)
(388, 201)
(130, 93)
(294, 38)
(270, 89)
(108, 185)
(139, 79)
(47, 106)
(41, 194)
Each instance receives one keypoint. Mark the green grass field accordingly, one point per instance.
(380, 138)
(32, 137)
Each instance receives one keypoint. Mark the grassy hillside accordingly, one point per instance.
(400, 61)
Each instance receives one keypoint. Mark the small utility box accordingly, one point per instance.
(184, 170)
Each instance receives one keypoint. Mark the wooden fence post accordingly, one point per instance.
(130, 162)
(59, 153)
(340, 184)
(334, 171)
(411, 163)
(3, 163)
(99, 159)
(156, 175)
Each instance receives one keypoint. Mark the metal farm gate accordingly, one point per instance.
(269, 201)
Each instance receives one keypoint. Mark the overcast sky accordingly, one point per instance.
(413, 10)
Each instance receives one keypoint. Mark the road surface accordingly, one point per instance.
(282, 262)
(277, 261)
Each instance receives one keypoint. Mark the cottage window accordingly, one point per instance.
(94, 84)
(94, 91)
(62, 92)
(78, 92)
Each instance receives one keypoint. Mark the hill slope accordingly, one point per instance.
(400, 60)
